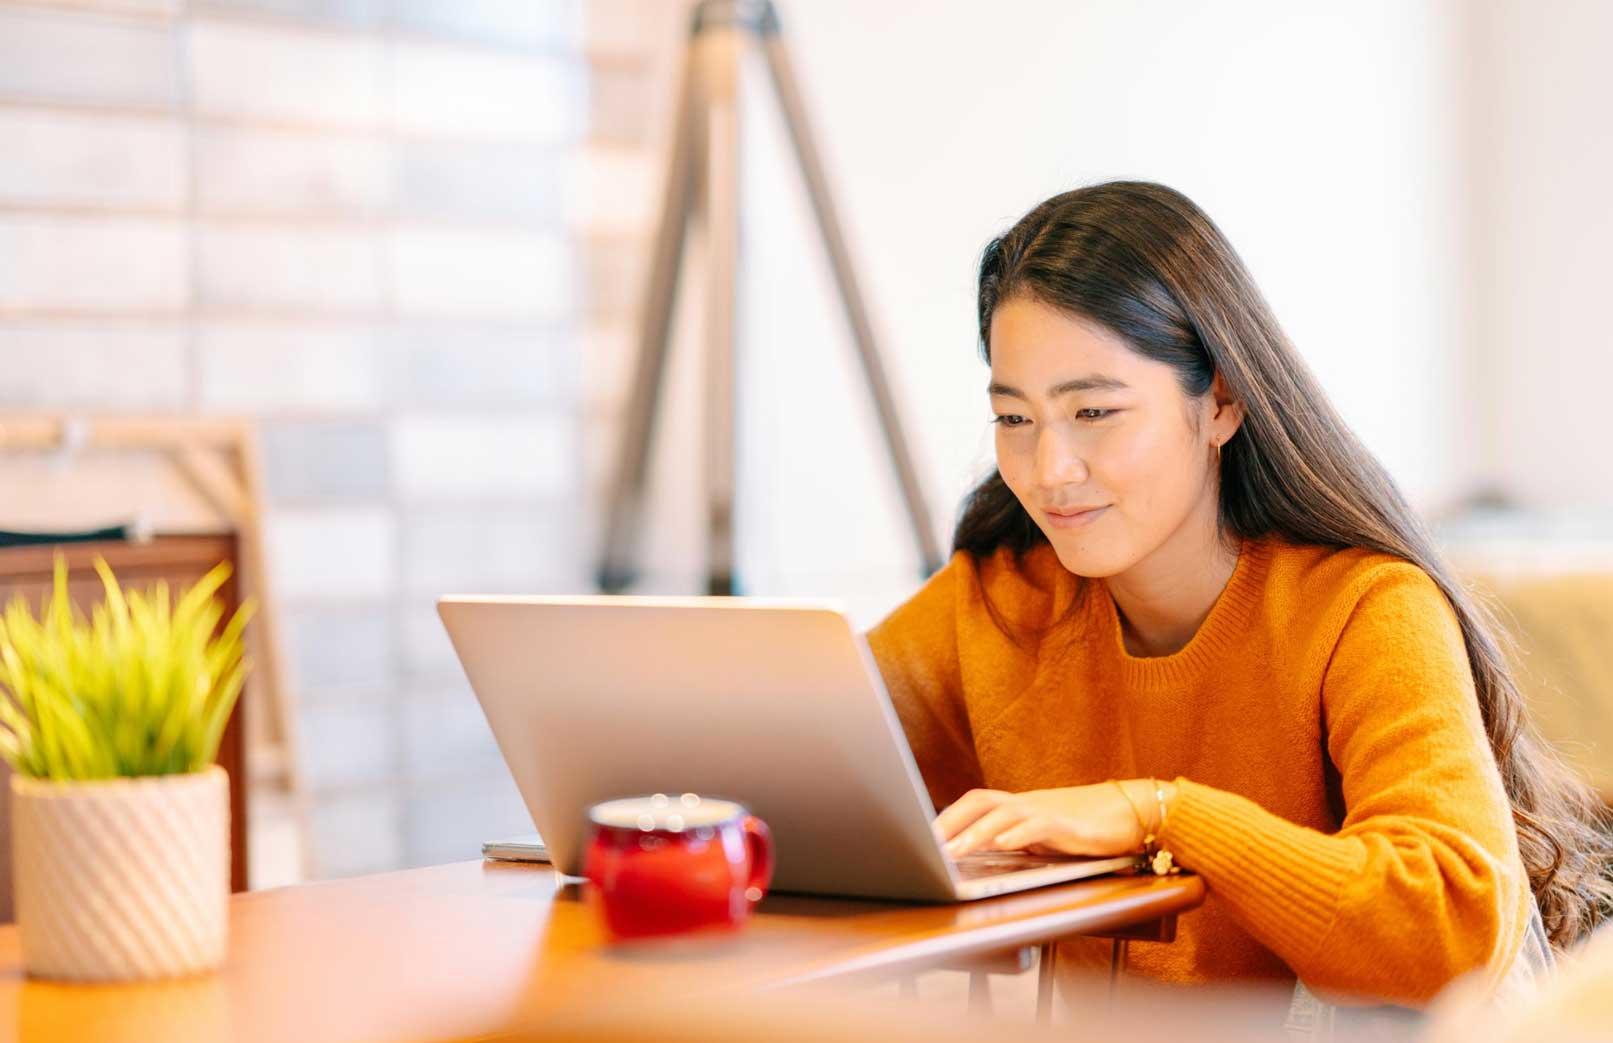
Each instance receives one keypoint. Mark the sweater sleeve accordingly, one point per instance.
(1422, 882)
(916, 648)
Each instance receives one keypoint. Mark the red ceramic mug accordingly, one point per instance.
(662, 865)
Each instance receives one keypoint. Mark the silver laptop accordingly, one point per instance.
(776, 704)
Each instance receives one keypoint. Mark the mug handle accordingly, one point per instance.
(759, 839)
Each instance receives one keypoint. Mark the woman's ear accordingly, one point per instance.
(1226, 414)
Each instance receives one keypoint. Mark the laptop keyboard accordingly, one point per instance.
(993, 863)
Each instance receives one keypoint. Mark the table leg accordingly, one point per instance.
(1044, 983)
(979, 992)
(1120, 949)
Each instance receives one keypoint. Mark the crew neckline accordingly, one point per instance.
(1222, 628)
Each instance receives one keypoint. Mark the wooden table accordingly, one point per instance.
(467, 949)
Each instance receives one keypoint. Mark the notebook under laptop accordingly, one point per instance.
(776, 704)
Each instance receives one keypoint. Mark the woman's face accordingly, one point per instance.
(1099, 443)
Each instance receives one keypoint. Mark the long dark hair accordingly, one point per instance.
(1143, 261)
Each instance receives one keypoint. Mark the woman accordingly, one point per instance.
(1190, 613)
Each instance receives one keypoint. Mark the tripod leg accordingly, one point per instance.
(719, 51)
(616, 568)
(862, 332)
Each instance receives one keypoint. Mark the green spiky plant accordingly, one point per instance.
(142, 687)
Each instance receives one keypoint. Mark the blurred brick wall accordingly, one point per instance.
(403, 234)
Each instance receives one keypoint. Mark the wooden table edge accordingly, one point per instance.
(1166, 897)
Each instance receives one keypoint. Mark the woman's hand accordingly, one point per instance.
(1076, 820)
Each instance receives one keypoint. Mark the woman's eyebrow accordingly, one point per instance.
(1091, 382)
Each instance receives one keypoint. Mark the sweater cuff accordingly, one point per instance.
(1282, 879)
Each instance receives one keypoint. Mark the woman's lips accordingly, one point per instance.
(1076, 520)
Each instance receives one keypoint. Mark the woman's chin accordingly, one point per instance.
(1092, 559)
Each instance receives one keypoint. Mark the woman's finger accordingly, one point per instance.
(967, 809)
(1037, 833)
(980, 834)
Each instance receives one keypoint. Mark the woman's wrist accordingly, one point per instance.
(1139, 793)
(1152, 801)
(1137, 802)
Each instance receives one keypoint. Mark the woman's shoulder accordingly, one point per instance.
(1332, 583)
(1029, 588)
(1023, 588)
(1331, 566)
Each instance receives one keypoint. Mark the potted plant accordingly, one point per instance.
(120, 819)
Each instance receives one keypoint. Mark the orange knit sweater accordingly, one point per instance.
(1336, 789)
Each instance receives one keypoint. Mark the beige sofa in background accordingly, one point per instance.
(1556, 600)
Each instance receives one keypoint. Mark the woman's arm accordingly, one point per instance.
(916, 647)
(1422, 882)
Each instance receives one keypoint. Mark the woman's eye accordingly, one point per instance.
(1008, 419)
(1093, 414)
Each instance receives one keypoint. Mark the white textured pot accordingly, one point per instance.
(122, 880)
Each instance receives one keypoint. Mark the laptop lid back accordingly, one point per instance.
(778, 705)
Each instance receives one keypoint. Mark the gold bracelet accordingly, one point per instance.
(1161, 858)
(1142, 827)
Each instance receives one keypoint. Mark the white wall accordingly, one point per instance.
(345, 222)
(1543, 150)
(1326, 142)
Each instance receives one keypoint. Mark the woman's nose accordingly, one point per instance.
(1058, 460)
